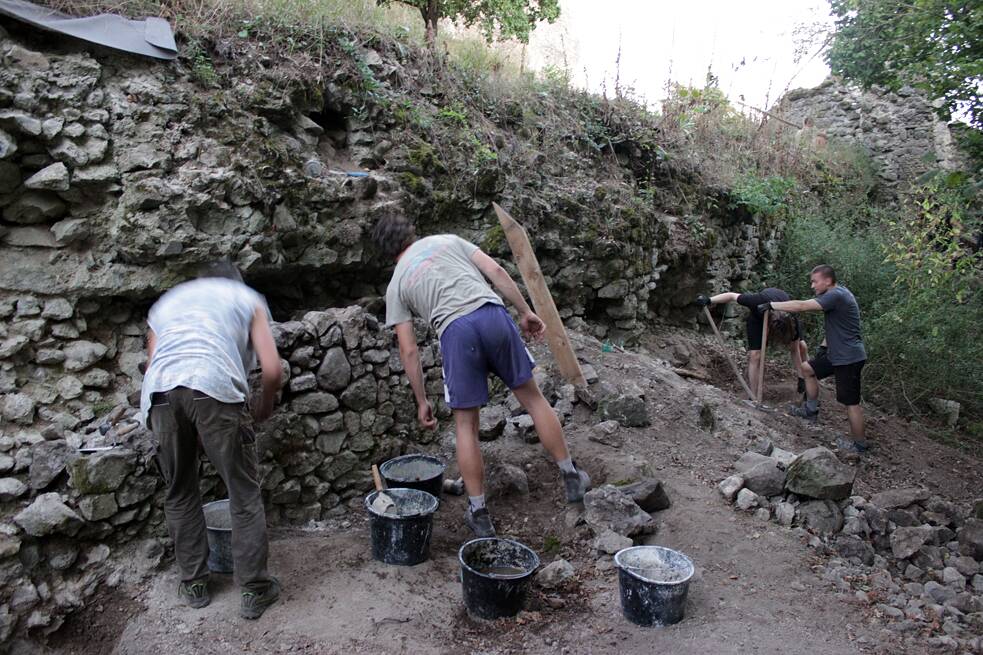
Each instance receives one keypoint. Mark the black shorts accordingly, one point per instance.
(756, 323)
(847, 377)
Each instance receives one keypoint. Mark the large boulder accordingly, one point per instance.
(899, 498)
(609, 508)
(48, 515)
(817, 473)
(649, 494)
(765, 478)
(971, 539)
(504, 479)
(820, 516)
(905, 542)
(626, 406)
(101, 472)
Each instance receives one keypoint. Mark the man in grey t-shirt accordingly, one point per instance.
(204, 338)
(442, 280)
(843, 355)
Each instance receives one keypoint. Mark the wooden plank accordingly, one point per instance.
(764, 355)
(542, 300)
(733, 366)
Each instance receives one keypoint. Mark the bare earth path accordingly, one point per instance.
(755, 590)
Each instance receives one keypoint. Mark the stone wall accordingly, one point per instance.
(900, 131)
(64, 510)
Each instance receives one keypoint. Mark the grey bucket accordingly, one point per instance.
(654, 582)
(218, 524)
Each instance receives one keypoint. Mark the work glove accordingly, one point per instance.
(764, 307)
(821, 352)
(703, 301)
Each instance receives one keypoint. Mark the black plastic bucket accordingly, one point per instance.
(654, 582)
(417, 471)
(218, 527)
(495, 575)
(402, 537)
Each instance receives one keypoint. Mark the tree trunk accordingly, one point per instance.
(431, 14)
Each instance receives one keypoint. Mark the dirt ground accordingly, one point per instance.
(755, 590)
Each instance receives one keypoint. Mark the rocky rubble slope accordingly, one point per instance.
(914, 557)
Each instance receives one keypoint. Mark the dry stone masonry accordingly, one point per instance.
(901, 132)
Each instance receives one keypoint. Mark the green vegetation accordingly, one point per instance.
(918, 279)
(936, 45)
(502, 19)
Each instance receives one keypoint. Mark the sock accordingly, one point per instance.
(812, 404)
(476, 502)
(566, 465)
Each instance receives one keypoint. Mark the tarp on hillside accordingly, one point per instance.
(151, 37)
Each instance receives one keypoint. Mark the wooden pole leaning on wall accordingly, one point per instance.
(542, 300)
(764, 353)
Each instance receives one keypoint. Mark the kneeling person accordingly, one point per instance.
(441, 279)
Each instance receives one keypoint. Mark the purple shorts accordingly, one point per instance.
(482, 342)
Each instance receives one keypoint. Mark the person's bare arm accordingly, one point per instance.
(264, 346)
(796, 306)
(531, 324)
(724, 298)
(409, 354)
(151, 345)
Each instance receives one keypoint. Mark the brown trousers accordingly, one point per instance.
(180, 419)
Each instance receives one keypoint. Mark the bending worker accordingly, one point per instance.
(782, 328)
(441, 279)
(200, 349)
(843, 357)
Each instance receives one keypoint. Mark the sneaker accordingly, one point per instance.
(850, 446)
(480, 522)
(254, 604)
(576, 484)
(804, 412)
(194, 594)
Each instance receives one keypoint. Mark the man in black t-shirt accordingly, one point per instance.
(783, 328)
(844, 358)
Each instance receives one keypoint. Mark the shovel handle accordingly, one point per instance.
(377, 478)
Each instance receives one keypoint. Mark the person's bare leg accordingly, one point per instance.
(468, 452)
(753, 364)
(856, 416)
(544, 418)
(812, 383)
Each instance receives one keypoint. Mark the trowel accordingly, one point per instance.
(383, 503)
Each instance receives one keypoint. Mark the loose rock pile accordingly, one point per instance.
(916, 558)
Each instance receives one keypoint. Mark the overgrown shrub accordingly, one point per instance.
(918, 282)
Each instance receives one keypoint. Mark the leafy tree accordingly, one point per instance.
(504, 19)
(935, 45)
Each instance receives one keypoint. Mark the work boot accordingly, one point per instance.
(195, 593)
(804, 412)
(576, 484)
(254, 603)
(479, 521)
(846, 445)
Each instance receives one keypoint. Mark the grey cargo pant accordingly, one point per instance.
(179, 418)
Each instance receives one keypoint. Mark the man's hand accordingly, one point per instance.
(703, 301)
(764, 307)
(532, 326)
(424, 413)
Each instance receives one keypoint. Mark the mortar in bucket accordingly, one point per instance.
(495, 575)
(218, 524)
(654, 582)
(401, 535)
(416, 471)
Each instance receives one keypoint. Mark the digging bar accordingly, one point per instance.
(764, 353)
(730, 360)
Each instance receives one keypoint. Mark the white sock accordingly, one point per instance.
(476, 502)
(566, 465)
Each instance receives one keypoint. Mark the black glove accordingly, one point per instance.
(821, 352)
(764, 307)
(703, 301)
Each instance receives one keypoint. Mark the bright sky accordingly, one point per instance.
(660, 39)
